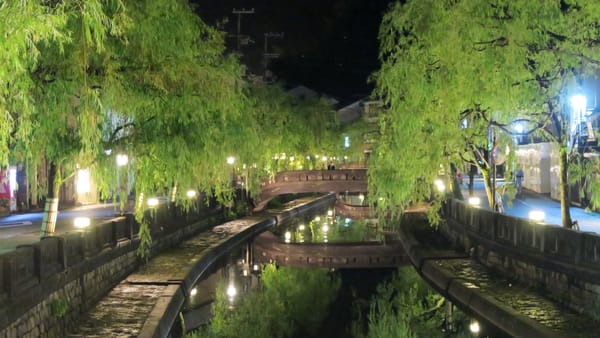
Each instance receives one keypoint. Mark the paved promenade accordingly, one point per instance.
(588, 221)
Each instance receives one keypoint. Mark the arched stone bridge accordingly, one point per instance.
(305, 181)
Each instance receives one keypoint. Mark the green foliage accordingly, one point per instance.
(406, 307)
(145, 78)
(59, 307)
(483, 63)
(292, 302)
(145, 247)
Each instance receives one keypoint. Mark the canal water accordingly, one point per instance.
(350, 309)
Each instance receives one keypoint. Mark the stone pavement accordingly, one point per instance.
(529, 201)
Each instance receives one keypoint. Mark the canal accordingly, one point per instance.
(261, 299)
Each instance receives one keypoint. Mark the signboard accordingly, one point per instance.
(4, 184)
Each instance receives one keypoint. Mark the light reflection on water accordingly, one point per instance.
(328, 227)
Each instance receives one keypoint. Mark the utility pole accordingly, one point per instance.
(268, 55)
(239, 13)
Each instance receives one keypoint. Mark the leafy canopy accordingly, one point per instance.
(483, 62)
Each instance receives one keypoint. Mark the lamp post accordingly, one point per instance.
(579, 105)
(231, 161)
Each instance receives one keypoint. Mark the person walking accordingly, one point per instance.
(519, 181)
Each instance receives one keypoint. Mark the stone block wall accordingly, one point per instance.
(45, 286)
(564, 262)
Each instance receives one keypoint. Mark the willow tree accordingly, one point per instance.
(23, 25)
(61, 127)
(487, 61)
(289, 125)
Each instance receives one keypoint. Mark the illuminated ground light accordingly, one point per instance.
(301, 227)
(537, 215)
(193, 292)
(325, 228)
(152, 202)
(191, 193)
(81, 222)
(475, 201)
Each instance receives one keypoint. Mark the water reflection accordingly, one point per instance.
(328, 227)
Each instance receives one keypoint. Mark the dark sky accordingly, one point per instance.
(328, 45)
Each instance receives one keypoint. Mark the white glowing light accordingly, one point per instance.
(230, 160)
(193, 292)
(83, 181)
(191, 193)
(122, 160)
(325, 228)
(474, 327)
(231, 291)
(537, 215)
(301, 227)
(440, 185)
(474, 201)
(152, 202)
(81, 222)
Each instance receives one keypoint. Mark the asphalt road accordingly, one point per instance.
(529, 201)
(17, 229)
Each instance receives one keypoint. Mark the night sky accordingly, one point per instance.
(328, 45)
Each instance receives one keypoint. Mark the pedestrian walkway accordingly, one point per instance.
(531, 201)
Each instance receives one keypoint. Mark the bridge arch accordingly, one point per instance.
(306, 181)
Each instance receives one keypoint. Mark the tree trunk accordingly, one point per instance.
(33, 193)
(565, 200)
(487, 182)
(51, 208)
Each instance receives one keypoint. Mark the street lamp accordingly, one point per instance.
(231, 161)
(579, 105)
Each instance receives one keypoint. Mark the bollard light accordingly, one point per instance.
(537, 215)
(81, 222)
(152, 202)
(474, 201)
(191, 193)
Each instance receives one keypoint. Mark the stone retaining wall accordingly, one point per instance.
(562, 261)
(46, 285)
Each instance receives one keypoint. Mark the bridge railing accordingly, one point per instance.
(319, 175)
(551, 241)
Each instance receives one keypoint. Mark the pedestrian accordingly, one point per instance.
(459, 177)
(519, 181)
(331, 166)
